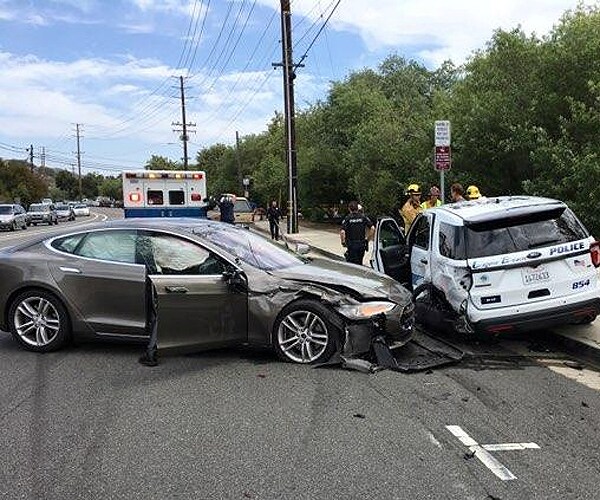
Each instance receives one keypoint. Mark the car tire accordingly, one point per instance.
(304, 333)
(432, 309)
(39, 321)
(34, 223)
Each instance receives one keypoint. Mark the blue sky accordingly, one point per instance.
(113, 65)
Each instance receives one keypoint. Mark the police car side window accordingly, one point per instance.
(451, 241)
(422, 233)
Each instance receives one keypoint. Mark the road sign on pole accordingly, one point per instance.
(442, 158)
(442, 155)
(442, 133)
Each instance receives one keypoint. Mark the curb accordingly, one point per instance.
(579, 347)
(313, 248)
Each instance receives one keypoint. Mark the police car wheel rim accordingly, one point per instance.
(302, 336)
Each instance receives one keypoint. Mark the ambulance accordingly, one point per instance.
(164, 193)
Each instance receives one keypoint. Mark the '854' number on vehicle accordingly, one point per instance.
(581, 284)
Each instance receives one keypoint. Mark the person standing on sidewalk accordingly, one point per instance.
(274, 215)
(356, 230)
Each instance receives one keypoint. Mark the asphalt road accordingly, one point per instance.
(90, 422)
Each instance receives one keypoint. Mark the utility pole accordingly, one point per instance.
(79, 161)
(290, 124)
(43, 157)
(239, 160)
(31, 156)
(184, 125)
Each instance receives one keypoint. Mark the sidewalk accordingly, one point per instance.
(325, 240)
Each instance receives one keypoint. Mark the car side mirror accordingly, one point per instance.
(235, 278)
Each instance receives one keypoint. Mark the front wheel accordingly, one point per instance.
(304, 333)
(432, 309)
(38, 321)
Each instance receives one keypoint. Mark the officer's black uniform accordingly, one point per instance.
(355, 226)
(226, 207)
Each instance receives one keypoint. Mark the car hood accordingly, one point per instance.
(6, 217)
(351, 279)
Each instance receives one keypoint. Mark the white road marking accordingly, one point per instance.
(510, 446)
(434, 440)
(482, 452)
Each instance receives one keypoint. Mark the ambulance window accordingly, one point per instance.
(155, 197)
(176, 197)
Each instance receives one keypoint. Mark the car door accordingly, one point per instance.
(99, 276)
(419, 244)
(198, 306)
(390, 254)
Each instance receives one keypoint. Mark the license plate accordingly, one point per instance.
(532, 276)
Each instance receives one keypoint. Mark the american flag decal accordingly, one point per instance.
(580, 263)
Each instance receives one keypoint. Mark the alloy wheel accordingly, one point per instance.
(302, 336)
(36, 321)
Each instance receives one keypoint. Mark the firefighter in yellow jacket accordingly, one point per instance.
(412, 207)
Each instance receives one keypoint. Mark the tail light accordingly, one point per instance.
(196, 197)
(134, 197)
(595, 252)
(197, 176)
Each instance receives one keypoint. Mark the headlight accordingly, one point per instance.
(365, 310)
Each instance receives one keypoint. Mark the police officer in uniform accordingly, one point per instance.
(356, 230)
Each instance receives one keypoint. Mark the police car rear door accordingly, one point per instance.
(389, 250)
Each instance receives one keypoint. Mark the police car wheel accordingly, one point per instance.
(432, 309)
(304, 333)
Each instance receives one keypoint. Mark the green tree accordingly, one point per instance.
(157, 162)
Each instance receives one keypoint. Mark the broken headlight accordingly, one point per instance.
(366, 309)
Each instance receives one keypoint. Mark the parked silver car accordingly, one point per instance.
(210, 284)
(12, 217)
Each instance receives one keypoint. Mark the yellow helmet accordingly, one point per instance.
(473, 192)
(413, 189)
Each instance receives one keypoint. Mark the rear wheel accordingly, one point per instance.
(304, 333)
(39, 321)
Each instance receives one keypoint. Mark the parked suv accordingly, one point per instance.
(242, 210)
(494, 265)
(13, 216)
(42, 213)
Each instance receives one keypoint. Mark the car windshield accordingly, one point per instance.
(62, 207)
(505, 236)
(39, 208)
(251, 248)
(80, 205)
(6, 209)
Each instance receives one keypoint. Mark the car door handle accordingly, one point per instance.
(423, 261)
(72, 270)
(176, 289)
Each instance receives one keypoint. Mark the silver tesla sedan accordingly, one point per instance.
(194, 284)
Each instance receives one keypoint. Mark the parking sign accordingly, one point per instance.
(442, 133)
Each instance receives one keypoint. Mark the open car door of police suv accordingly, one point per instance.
(495, 265)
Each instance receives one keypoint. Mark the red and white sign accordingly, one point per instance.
(443, 158)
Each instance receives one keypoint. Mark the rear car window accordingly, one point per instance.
(242, 206)
(505, 236)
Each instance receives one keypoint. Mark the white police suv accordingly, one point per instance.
(494, 265)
